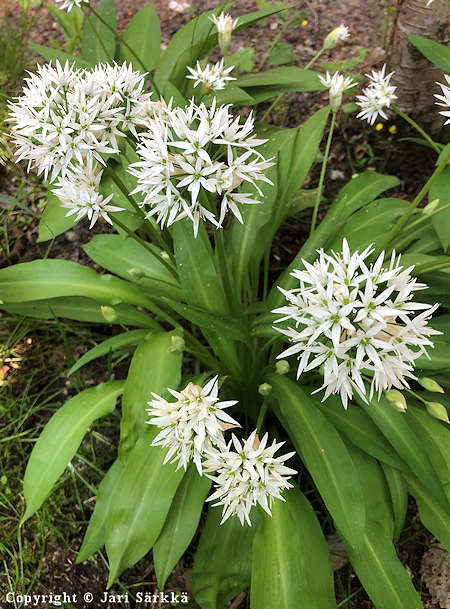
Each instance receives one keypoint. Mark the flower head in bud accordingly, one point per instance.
(247, 474)
(282, 366)
(438, 411)
(225, 26)
(397, 400)
(444, 99)
(177, 344)
(430, 384)
(264, 389)
(337, 85)
(192, 424)
(335, 36)
(353, 318)
(109, 313)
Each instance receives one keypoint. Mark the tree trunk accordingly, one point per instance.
(415, 76)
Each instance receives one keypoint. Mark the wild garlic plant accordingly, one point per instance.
(187, 193)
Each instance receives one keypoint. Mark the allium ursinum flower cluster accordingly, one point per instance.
(246, 475)
(67, 115)
(377, 96)
(78, 191)
(212, 76)
(356, 319)
(337, 85)
(195, 422)
(225, 26)
(192, 155)
(444, 99)
(337, 35)
(69, 4)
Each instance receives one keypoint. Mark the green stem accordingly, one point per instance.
(322, 173)
(314, 59)
(147, 246)
(402, 221)
(413, 123)
(261, 417)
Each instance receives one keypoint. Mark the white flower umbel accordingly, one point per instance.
(354, 319)
(246, 475)
(192, 424)
(213, 76)
(193, 159)
(444, 99)
(66, 116)
(78, 191)
(337, 85)
(377, 96)
(69, 4)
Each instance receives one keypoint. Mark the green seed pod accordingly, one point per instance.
(264, 389)
(282, 367)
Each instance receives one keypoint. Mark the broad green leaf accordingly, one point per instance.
(394, 426)
(288, 78)
(381, 573)
(437, 53)
(242, 59)
(53, 220)
(359, 428)
(358, 192)
(229, 95)
(324, 453)
(181, 523)
(54, 278)
(440, 355)
(68, 21)
(399, 497)
(109, 345)
(290, 563)
(281, 53)
(154, 368)
(433, 515)
(61, 438)
(56, 55)
(95, 533)
(223, 561)
(375, 490)
(121, 255)
(98, 42)
(143, 35)
(145, 490)
(440, 189)
(81, 309)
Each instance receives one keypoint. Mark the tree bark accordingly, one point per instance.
(415, 76)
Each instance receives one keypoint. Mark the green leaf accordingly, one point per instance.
(145, 490)
(289, 78)
(229, 95)
(181, 523)
(281, 53)
(56, 55)
(98, 42)
(381, 572)
(433, 515)
(143, 35)
(95, 534)
(121, 255)
(325, 455)
(81, 309)
(441, 222)
(437, 53)
(53, 220)
(290, 564)
(154, 368)
(61, 438)
(242, 59)
(53, 278)
(394, 426)
(68, 21)
(399, 497)
(109, 346)
(222, 564)
(358, 192)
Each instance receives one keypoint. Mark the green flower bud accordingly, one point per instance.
(265, 389)
(428, 209)
(397, 400)
(430, 385)
(335, 36)
(282, 367)
(438, 411)
(109, 313)
(177, 344)
(165, 255)
(136, 273)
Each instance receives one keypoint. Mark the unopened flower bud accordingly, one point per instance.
(397, 400)
(164, 255)
(334, 37)
(225, 26)
(282, 367)
(265, 389)
(430, 384)
(109, 313)
(177, 344)
(428, 209)
(438, 411)
(136, 273)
